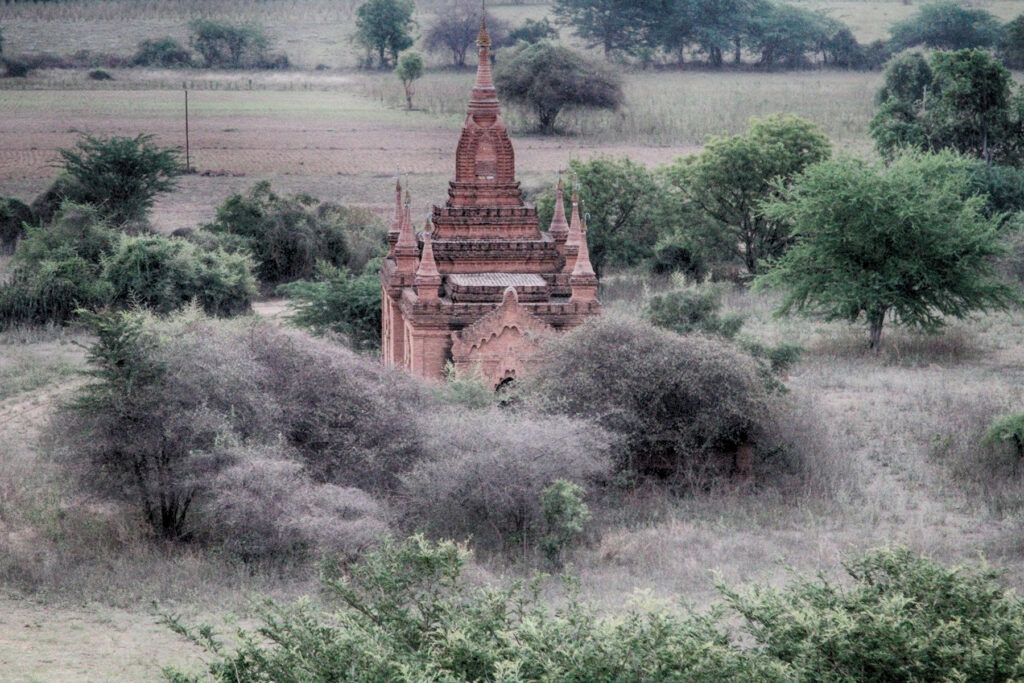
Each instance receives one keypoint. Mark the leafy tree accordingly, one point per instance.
(962, 101)
(409, 70)
(384, 29)
(623, 204)
(730, 179)
(549, 78)
(947, 25)
(228, 46)
(723, 25)
(533, 32)
(121, 176)
(787, 34)
(339, 302)
(1011, 49)
(612, 24)
(456, 27)
(901, 240)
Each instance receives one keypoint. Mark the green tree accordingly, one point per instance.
(409, 70)
(121, 176)
(963, 101)
(947, 25)
(900, 240)
(533, 32)
(456, 27)
(1011, 48)
(549, 78)
(339, 302)
(228, 46)
(384, 28)
(624, 207)
(612, 24)
(730, 179)
(787, 34)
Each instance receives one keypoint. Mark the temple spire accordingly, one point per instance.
(406, 249)
(428, 278)
(583, 279)
(485, 97)
(559, 226)
(574, 224)
(396, 221)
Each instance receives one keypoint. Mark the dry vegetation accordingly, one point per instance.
(896, 439)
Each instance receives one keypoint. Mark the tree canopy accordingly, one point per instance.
(383, 29)
(548, 78)
(456, 27)
(730, 178)
(961, 100)
(947, 25)
(899, 240)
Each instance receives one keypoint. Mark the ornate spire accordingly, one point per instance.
(428, 279)
(406, 250)
(559, 226)
(396, 221)
(575, 229)
(485, 98)
(583, 279)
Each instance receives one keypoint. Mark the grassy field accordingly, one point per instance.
(895, 436)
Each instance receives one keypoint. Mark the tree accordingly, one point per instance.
(548, 78)
(1011, 49)
(228, 46)
(121, 176)
(623, 203)
(900, 240)
(384, 28)
(612, 24)
(947, 25)
(456, 28)
(962, 101)
(409, 69)
(786, 34)
(533, 32)
(733, 175)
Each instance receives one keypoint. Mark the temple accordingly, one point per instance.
(481, 286)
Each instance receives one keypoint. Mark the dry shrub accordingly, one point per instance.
(185, 411)
(264, 504)
(489, 468)
(683, 405)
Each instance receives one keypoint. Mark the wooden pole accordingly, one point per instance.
(188, 161)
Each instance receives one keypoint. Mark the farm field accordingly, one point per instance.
(81, 584)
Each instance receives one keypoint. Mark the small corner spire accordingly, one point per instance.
(483, 39)
(559, 226)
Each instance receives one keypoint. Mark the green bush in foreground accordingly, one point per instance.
(405, 613)
(338, 302)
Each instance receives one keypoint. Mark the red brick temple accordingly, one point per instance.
(481, 285)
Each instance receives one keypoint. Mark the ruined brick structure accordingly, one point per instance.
(481, 285)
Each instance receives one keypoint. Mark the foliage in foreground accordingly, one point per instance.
(407, 613)
(337, 301)
(897, 240)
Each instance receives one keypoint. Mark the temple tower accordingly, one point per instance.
(482, 285)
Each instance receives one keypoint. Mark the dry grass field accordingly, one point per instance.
(895, 435)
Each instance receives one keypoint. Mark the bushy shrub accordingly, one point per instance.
(165, 274)
(14, 214)
(565, 516)
(47, 204)
(162, 52)
(1009, 431)
(15, 68)
(51, 289)
(338, 302)
(289, 235)
(692, 309)
(262, 504)
(683, 405)
(100, 75)
(488, 470)
(169, 397)
(903, 618)
(229, 46)
(405, 612)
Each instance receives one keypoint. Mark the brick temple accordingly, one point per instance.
(481, 285)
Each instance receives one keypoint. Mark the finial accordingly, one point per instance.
(559, 180)
(408, 197)
(483, 39)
